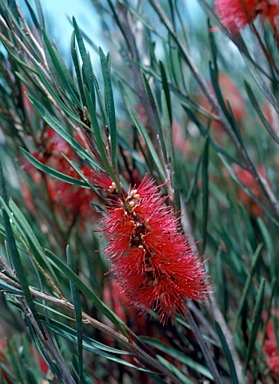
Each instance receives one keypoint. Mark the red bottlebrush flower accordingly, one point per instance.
(150, 256)
(103, 180)
(69, 200)
(271, 350)
(236, 14)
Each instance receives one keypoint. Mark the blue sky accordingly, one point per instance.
(58, 26)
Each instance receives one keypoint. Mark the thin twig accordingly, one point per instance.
(44, 337)
(61, 302)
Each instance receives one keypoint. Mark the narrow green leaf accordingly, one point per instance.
(255, 260)
(32, 239)
(218, 92)
(182, 357)
(77, 68)
(40, 13)
(140, 127)
(258, 109)
(10, 289)
(105, 63)
(257, 318)
(78, 314)
(52, 172)
(194, 180)
(154, 107)
(172, 368)
(56, 125)
(270, 247)
(99, 140)
(166, 89)
(213, 47)
(33, 16)
(227, 353)
(170, 151)
(205, 190)
(255, 71)
(13, 251)
(56, 96)
(247, 190)
(69, 334)
(87, 67)
(62, 267)
(61, 70)
(16, 363)
(204, 132)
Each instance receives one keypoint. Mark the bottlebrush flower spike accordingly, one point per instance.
(150, 256)
(236, 14)
(270, 348)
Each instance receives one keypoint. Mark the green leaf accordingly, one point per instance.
(205, 190)
(77, 68)
(99, 140)
(56, 125)
(40, 13)
(182, 357)
(227, 353)
(142, 131)
(52, 172)
(166, 89)
(170, 151)
(10, 289)
(78, 315)
(204, 132)
(32, 14)
(63, 268)
(90, 345)
(62, 71)
(247, 191)
(32, 239)
(174, 370)
(88, 74)
(260, 113)
(257, 318)
(252, 270)
(213, 47)
(13, 251)
(105, 63)
(270, 247)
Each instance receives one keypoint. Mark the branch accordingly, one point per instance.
(98, 325)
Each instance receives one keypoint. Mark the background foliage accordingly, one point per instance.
(196, 107)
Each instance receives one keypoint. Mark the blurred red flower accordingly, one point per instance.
(150, 256)
(271, 350)
(236, 14)
(249, 181)
(230, 94)
(8, 373)
(70, 201)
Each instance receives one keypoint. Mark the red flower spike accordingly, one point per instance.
(150, 256)
(271, 350)
(236, 14)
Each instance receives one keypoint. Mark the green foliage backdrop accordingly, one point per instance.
(195, 108)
